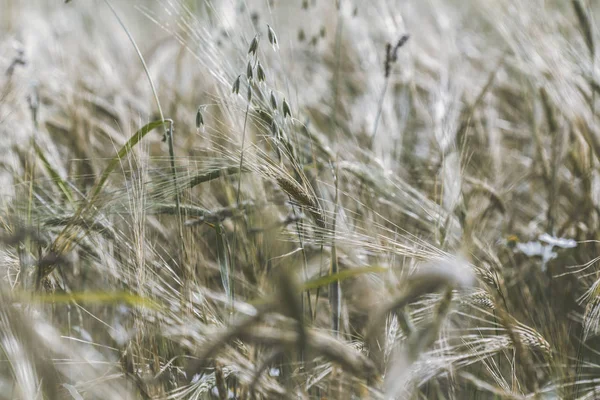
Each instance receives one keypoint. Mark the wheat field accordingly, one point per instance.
(311, 199)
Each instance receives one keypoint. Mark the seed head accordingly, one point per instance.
(401, 42)
(391, 53)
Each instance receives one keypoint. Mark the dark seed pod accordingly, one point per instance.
(388, 59)
(272, 37)
(275, 129)
(301, 35)
(260, 72)
(253, 46)
(401, 42)
(286, 109)
(249, 73)
(236, 85)
(273, 101)
(199, 119)
(249, 93)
